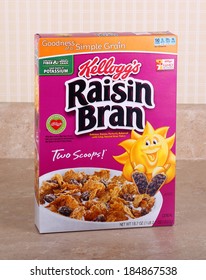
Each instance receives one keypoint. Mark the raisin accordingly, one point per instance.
(83, 180)
(140, 181)
(100, 218)
(52, 181)
(74, 182)
(144, 212)
(49, 197)
(85, 196)
(64, 210)
(128, 197)
(155, 184)
(104, 182)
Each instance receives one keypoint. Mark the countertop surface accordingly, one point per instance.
(20, 239)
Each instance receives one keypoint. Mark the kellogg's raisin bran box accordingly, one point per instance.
(105, 115)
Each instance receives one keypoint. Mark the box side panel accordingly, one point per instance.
(36, 128)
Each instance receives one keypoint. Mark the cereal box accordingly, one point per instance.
(105, 122)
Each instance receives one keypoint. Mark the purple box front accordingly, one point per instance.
(105, 134)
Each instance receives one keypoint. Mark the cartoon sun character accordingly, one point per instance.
(149, 154)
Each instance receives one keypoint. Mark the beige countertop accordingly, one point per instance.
(20, 239)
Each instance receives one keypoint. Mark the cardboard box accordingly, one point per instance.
(105, 122)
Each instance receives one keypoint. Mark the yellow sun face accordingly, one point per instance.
(151, 150)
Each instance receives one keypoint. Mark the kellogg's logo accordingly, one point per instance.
(116, 101)
(108, 67)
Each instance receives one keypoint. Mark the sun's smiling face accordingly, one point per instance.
(150, 150)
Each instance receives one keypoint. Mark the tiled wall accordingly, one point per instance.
(20, 19)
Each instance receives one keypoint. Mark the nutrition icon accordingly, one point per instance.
(56, 124)
(148, 160)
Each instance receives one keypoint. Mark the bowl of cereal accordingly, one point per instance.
(85, 198)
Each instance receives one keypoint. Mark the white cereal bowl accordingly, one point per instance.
(48, 221)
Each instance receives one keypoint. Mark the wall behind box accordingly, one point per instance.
(19, 20)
